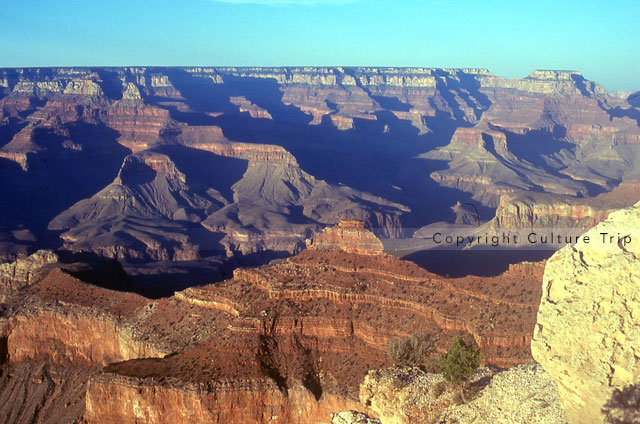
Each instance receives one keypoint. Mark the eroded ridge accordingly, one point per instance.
(293, 339)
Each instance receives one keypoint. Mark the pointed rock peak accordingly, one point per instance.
(350, 236)
(131, 92)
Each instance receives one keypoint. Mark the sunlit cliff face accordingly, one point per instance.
(293, 339)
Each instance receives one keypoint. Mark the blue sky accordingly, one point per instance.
(510, 38)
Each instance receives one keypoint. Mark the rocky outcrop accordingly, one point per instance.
(76, 338)
(522, 394)
(114, 399)
(81, 334)
(403, 396)
(352, 417)
(291, 340)
(22, 272)
(543, 210)
(249, 151)
(348, 236)
(586, 335)
(254, 111)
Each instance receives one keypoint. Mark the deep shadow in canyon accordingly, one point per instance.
(58, 177)
(376, 156)
(483, 263)
(382, 156)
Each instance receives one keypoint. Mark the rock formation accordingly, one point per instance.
(348, 236)
(259, 158)
(352, 417)
(402, 396)
(522, 394)
(586, 333)
(19, 274)
(291, 340)
(532, 134)
(543, 210)
(210, 168)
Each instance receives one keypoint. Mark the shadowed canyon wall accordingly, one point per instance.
(240, 165)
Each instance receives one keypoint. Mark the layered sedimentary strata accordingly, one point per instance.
(20, 273)
(68, 322)
(159, 206)
(284, 151)
(549, 132)
(249, 151)
(348, 236)
(188, 164)
(586, 334)
(297, 337)
(138, 124)
(287, 342)
(404, 286)
(259, 400)
(542, 210)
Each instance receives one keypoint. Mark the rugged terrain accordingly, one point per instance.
(587, 330)
(522, 394)
(286, 342)
(585, 340)
(544, 210)
(211, 168)
(124, 190)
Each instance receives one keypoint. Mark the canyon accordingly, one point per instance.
(195, 244)
(286, 342)
(188, 169)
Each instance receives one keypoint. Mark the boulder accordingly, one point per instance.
(587, 334)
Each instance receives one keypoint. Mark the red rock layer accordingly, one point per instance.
(288, 342)
(139, 125)
(291, 337)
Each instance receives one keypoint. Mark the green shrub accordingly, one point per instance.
(413, 351)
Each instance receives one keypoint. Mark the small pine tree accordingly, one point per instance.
(460, 362)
